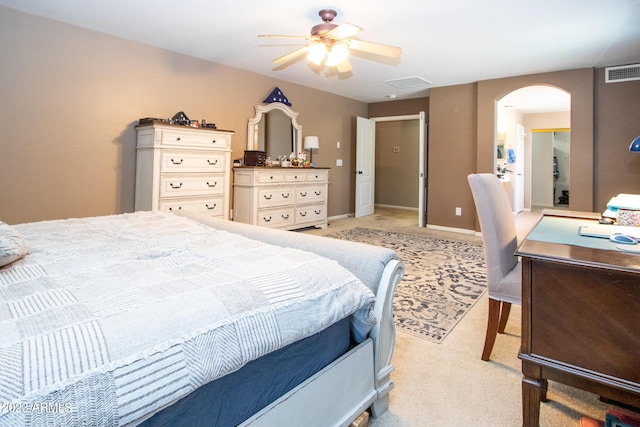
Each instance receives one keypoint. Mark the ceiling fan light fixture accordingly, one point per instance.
(337, 54)
(317, 53)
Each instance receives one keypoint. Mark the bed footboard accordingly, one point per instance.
(384, 335)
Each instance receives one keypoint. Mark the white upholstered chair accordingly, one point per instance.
(504, 270)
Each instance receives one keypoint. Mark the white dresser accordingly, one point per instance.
(179, 168)
(286, 198)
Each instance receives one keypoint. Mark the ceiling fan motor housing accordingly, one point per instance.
(327, 16)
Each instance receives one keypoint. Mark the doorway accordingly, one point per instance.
(386, 172)
(550, 171)
(518, 113)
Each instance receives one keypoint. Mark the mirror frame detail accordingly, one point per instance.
(252, 127)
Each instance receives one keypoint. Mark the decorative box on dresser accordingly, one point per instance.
(180, 168)
(285, 198)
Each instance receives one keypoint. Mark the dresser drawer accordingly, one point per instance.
(297, 176)
(201, 138)
(190, 161)
(191, 185)
(317, 175)
(275, 196)
(310, 194)
(276, 217)
(211, 205)
(311, 213)
(269, 176)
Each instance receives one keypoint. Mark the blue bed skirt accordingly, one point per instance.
(234, 398)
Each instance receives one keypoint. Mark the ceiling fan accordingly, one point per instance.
(330, 44)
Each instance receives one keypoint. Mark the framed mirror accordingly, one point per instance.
(275, 130)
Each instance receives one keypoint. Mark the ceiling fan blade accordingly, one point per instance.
(343, 31)
(376, 48)
(272, 36)
(291, 55)
(344, 66)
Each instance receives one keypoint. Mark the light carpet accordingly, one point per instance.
(443, 279)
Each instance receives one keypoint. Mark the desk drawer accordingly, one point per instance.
(586, 318)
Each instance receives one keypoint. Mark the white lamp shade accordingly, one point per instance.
(310, 142)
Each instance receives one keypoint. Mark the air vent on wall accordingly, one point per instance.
(622, 73)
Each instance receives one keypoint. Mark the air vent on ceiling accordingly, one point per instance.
(406, 82)
(622, 73)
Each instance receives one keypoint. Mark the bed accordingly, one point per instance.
(158, 319)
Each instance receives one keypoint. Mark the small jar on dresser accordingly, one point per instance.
(180, 168)
(285, 198)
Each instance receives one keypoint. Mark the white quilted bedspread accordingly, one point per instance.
(110, 318)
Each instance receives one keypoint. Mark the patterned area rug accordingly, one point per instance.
(442, 281)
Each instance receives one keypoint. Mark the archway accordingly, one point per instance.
(522, 165)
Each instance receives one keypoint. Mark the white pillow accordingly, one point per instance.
(12, 245)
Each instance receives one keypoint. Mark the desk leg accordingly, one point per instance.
(534, 391)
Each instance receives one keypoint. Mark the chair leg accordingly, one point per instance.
(492, 328)
(504, 316)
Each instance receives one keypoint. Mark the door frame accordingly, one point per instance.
(422, 161)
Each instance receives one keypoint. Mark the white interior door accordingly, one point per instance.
(422, 187)
(542, 170)
(518, 190)
(365, 166)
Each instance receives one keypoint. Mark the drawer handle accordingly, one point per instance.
(175, 187)
(271, 177)
(212, 185)
(265, 219)
(303, 213)
(303, 194)
(318, 193)
(213, 142)
(285, 196)
(179, 208)
(268, 197)
(178, 139)
(215, 162)
(176, 162)
(211, 207)
(285, 216)
(318, 212)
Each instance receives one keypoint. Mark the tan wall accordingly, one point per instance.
(71, 98)
(452, 155)
(464, 117)
(618, 113)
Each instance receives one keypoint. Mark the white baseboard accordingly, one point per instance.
(349, 215)
(406, 208)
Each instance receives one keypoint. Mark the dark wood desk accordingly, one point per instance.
(580, 316)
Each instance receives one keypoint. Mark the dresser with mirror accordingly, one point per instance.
(273, 196)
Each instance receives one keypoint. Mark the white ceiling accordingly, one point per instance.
(445, 42)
